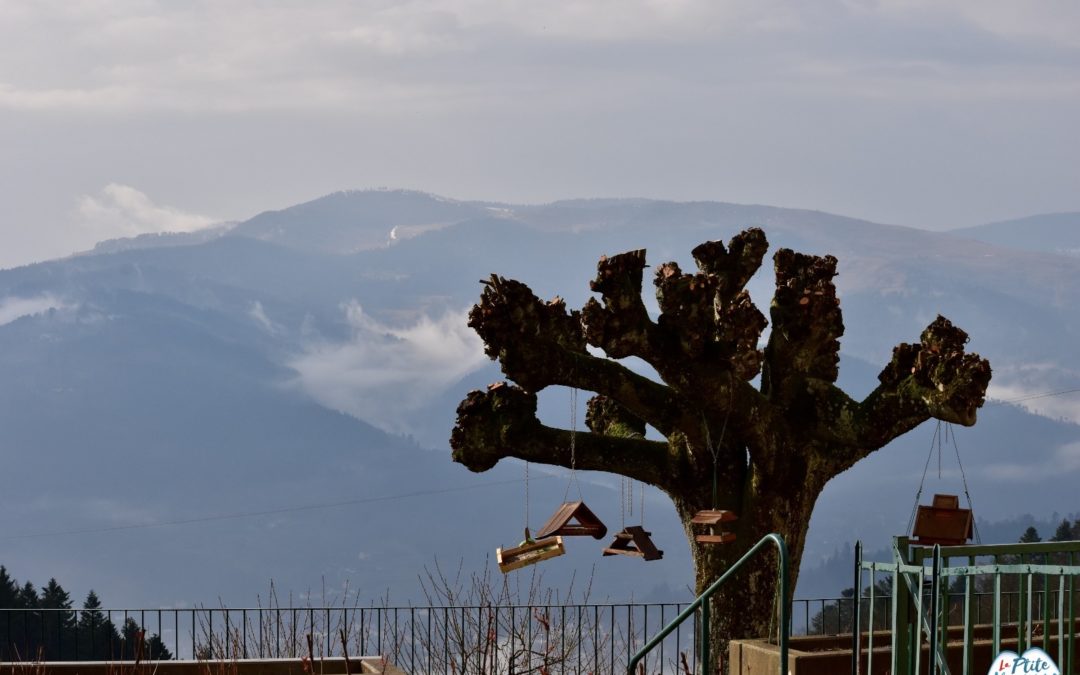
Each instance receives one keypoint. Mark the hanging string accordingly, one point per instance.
(935, 442)
(573, 447)
(622, 500)
(527, 537)
(967, 493)
(715, 450)
(641, 511)
(939, 451)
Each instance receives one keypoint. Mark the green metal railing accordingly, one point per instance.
(1042, 576)
(702, 603)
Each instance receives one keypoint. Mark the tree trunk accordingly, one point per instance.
(746, 605)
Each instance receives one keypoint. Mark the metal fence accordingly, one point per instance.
(836, 616)
(573, 638)
(582, 638)
(932, 596)
(589, 634)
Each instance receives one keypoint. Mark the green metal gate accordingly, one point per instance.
(962, 605)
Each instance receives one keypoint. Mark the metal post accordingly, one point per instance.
(856, 599)
(901, 656)
(873, 613)
(935, 607)
(997, 611)
(705, 655)
(969, 621)
(1061, 619)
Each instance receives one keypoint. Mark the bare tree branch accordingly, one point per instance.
(501, 422)
(539, 344)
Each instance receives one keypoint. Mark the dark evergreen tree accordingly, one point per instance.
(137, 644)
(98, 637)
(9, 589)
(156, 649)
(835, 617)
(26, 623)
(9, 593)
(1064, 532)
(1030, 536)
(59, 622)
(132, 641)
(28, 597)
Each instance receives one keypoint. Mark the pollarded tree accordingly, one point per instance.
(776, 445)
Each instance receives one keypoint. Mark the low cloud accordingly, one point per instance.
(12, 307)
(1048, 390)
(1064, 460)
(257, 313)
(386, 374)
(122, 211)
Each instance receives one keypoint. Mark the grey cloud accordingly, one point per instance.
(15, 307)
(384, 374)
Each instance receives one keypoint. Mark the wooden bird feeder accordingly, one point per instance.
(712, 518)
(944, 523)
(529, 552)
(573, 519)
(634, 541)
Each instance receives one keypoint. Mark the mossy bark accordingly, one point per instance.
(774, 448)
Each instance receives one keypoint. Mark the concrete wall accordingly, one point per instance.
(831, 655)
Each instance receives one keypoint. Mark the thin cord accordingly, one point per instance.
(1044, 394)
(622, 500)
(918, 495)
(641, 489)
(939, 452)
(526, 496)
(573, 447)
(715, 450)
(963, 477)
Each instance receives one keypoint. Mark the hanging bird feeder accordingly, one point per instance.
(943, 522)
(528, 552)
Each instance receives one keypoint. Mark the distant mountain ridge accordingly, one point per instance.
(1049, 232)
(167, 376)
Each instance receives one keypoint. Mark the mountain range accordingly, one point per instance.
(188, 417)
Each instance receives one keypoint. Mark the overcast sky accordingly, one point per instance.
(127, 116)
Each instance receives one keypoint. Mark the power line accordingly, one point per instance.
(253, 514)
(1044, 394)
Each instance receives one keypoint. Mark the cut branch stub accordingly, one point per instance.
(520, 330)
(951, 383)
(710, 314)
(686, 307)
(621, 325)
(739, 326)
(488, 422)
(734, 265)
(807, 323)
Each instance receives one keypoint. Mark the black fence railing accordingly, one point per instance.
(581, 638)
(573, 638)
